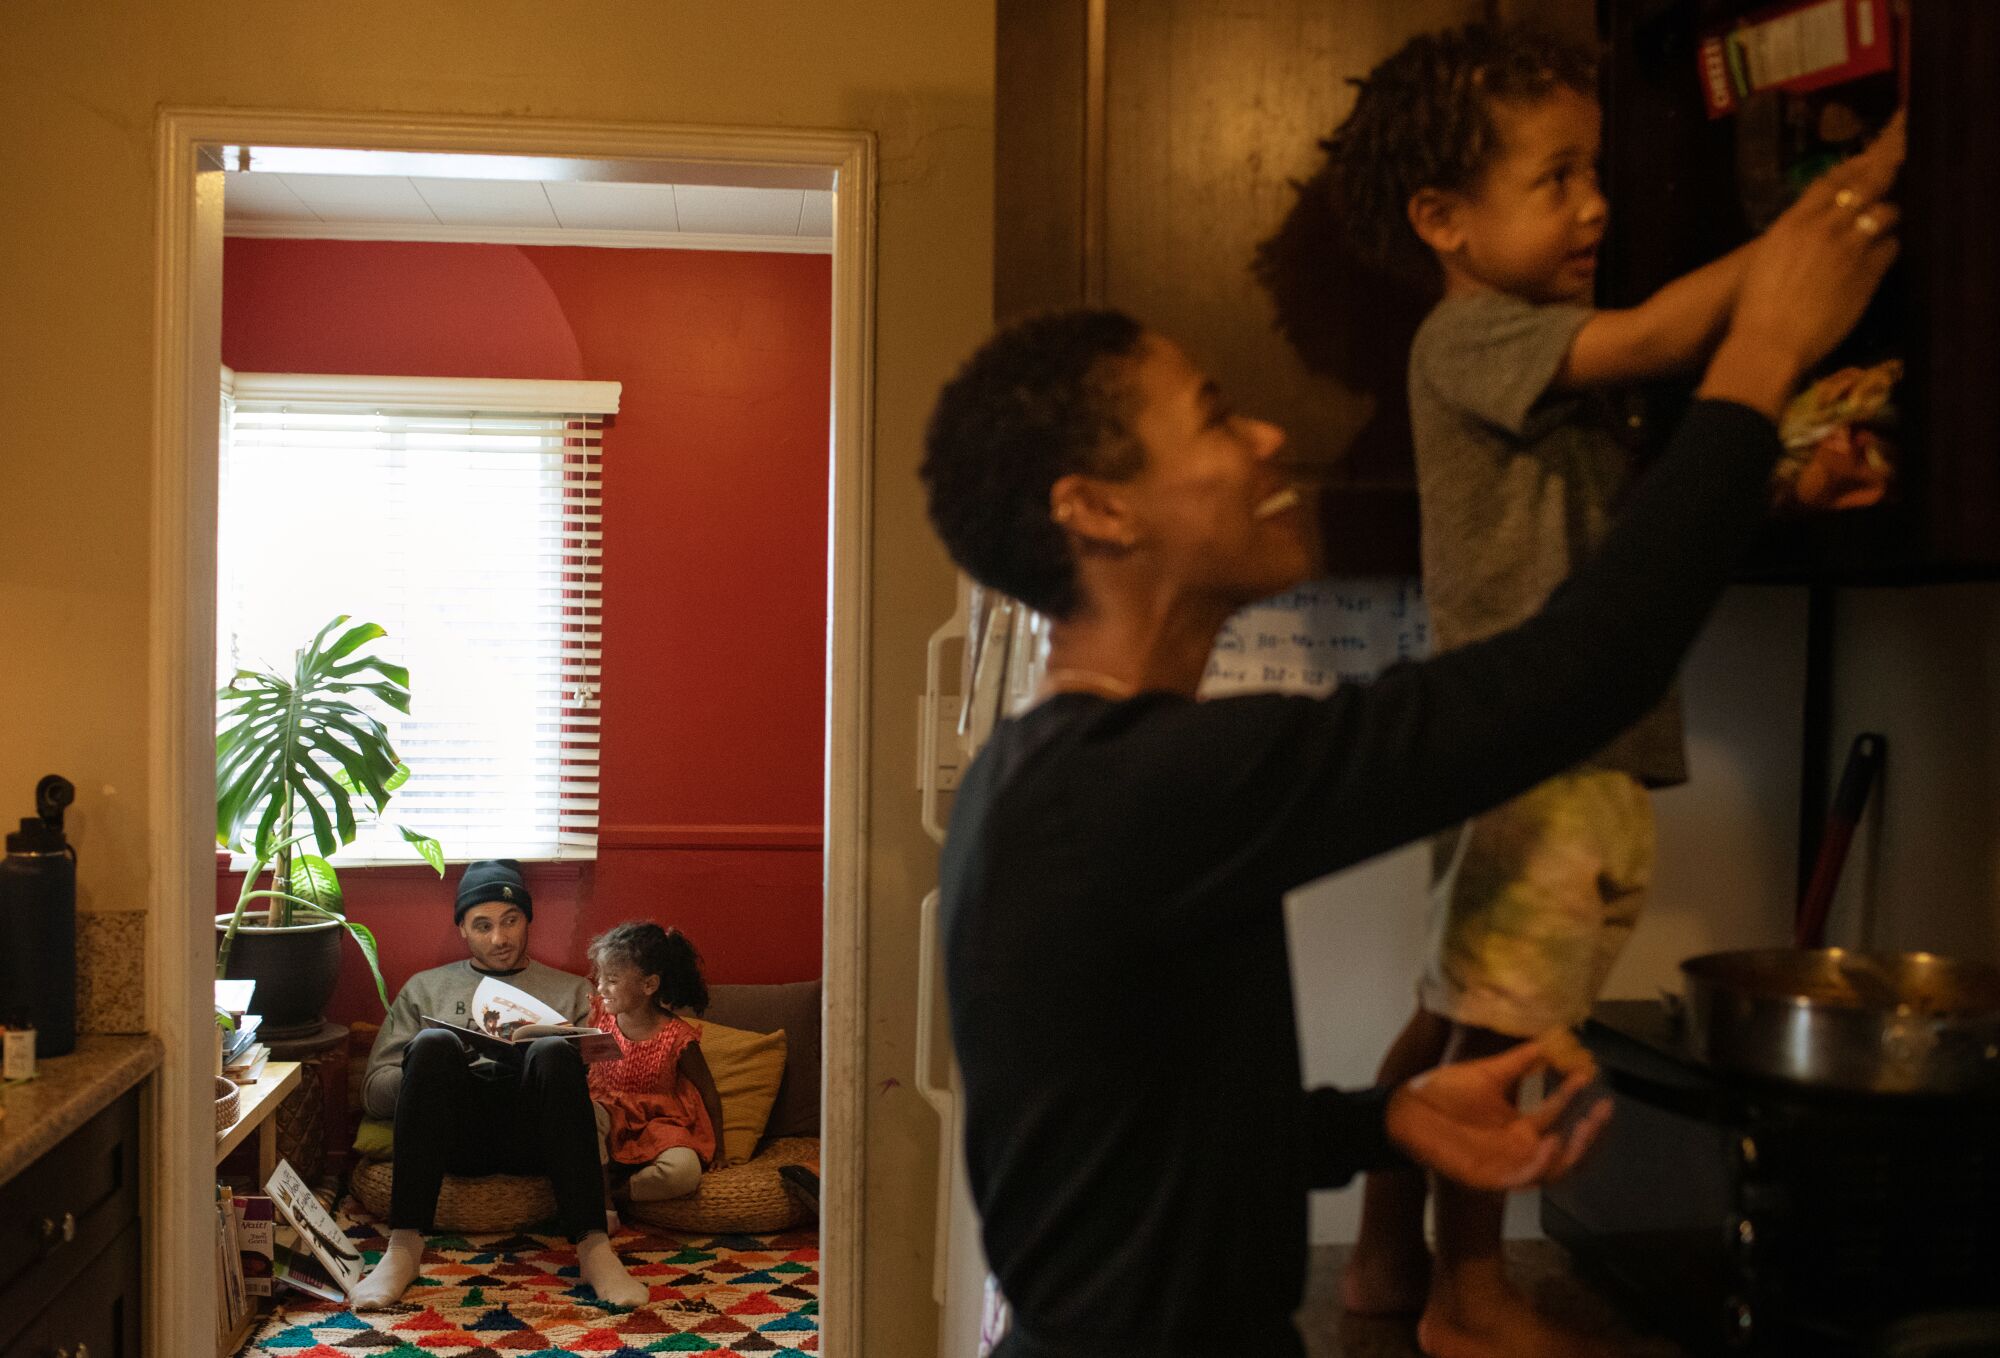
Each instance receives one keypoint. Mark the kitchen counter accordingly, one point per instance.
(67, 1092)
(1540, 1267)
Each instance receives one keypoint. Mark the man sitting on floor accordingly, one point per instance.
(533, 1117)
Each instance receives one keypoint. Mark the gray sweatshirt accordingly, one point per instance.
(446, 992)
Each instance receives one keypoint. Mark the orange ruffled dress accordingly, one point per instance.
(652, 1108)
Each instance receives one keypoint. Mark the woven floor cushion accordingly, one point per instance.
(487, 1202)
(749, 1197)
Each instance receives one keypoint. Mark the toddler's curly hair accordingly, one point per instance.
(1423, 119)
(655, 950)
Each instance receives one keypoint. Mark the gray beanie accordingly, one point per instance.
(492, 879)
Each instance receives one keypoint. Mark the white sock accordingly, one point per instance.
(386, 1281)
(599, 1265)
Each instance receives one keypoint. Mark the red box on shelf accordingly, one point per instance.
(1796, 47)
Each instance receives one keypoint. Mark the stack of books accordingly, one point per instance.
(243, 1057)
(244, 1258)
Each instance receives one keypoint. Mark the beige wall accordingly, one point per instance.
(1922, 666)
(80, 86)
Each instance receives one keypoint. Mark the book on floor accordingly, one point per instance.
(316, 1228)
(295, 1267)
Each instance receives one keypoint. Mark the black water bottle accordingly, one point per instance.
(38, 922)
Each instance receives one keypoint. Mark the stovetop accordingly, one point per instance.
(1763, 1216)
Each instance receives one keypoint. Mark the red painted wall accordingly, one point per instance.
(715, 482)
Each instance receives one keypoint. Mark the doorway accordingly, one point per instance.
(191, 159)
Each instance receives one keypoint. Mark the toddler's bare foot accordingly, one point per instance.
(1500, 1323)
(1379, 1282)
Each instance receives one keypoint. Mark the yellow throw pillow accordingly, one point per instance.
(747, 1068)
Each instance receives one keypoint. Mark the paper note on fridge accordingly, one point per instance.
(1321, 634)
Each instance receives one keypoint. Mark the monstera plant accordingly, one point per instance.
(300, 763)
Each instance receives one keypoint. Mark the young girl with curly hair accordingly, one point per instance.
(658, 1114)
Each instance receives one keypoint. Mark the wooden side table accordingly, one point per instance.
(256, 1103)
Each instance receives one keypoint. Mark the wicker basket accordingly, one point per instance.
(487, 1202)
(227, 1102)
(749, 1197)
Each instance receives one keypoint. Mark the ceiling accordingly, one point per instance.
(565, 211)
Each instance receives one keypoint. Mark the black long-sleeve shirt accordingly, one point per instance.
(1139, 1141)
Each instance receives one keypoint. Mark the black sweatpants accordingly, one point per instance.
(533, 1120)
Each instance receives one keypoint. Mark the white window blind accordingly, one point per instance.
(465, 518)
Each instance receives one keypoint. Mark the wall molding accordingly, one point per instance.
(532, 235)
(785, 837)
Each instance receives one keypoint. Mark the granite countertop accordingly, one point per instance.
(1540, 1268)
(67, 1092)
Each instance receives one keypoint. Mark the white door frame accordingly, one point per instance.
(181, 710)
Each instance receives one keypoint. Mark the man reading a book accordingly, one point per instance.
(526, 1115)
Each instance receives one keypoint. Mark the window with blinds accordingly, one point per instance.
(464, 517)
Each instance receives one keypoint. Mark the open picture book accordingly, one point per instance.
(317, 1233)
(505, 1019)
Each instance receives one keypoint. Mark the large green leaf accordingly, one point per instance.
(313, 879)
(365, 940)
(303, 746)
(432, 851)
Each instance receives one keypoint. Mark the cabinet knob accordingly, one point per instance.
(59, 1233)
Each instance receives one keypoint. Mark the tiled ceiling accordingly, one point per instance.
(582, 212)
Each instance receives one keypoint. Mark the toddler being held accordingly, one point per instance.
(658, 1113)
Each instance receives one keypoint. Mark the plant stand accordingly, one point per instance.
(303, 1117)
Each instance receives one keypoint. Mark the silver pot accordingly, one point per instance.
(1875, 1023)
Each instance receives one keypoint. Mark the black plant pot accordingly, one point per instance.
(295, 970)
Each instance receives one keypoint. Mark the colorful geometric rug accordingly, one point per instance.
(517, 1296)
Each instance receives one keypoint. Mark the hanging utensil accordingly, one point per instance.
(1857, 780)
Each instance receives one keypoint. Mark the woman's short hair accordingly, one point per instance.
(1043, 399)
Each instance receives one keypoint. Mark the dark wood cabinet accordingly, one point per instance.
(69, 1245)
(1684, 189)
(1144, 149)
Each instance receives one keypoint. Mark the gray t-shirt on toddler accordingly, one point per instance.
(1517, 485)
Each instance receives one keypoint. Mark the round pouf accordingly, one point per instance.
(749, 1197)
(489, 1202)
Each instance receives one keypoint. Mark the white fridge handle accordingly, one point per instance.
(927, 737)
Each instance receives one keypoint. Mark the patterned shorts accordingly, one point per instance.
(1533, 901)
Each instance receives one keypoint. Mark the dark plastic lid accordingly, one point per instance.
(37, 836)
(43, 832)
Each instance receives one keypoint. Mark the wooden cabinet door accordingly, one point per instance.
(97, 1315)
(1674, 178)
(1143, 152)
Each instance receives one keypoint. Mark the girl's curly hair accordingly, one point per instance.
(1423, 119)
(653, 950)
